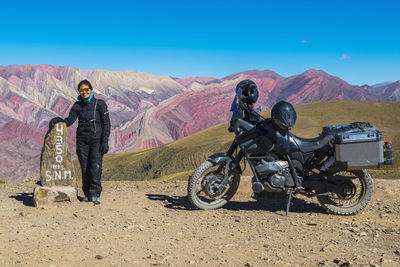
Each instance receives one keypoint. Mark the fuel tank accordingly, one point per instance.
(265, 138)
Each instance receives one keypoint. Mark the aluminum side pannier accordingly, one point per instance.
(359, 149)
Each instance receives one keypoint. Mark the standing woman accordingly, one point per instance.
(91, 138)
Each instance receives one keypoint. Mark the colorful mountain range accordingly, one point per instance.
(146, 110)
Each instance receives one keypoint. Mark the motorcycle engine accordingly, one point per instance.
(280, 180)
(275, 175)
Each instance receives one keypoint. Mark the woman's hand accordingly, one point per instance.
(54, 121)
(104, 148)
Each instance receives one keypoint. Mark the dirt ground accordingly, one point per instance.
(153, 224)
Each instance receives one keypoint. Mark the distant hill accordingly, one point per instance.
(178, 159)
(389, 92)
(381, 84)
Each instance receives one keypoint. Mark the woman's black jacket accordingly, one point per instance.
(93, 119)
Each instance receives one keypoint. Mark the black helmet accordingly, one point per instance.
(283, 116)
(249, 91)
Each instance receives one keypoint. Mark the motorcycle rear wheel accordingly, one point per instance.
(362, 189)
(201, 184)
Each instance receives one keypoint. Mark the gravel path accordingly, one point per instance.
(153, 224)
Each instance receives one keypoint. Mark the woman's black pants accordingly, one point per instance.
(90, 158)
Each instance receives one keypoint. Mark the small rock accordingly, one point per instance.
(21, 214)
(397, 252)
(326, 263)
(99, 257)
(44, 195)
(167, 258)
(388, 230)
(363, 234)
(354, 229)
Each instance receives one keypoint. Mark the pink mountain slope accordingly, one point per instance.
(31, 95)
(189, 112)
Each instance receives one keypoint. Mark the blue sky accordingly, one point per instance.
(359, 41)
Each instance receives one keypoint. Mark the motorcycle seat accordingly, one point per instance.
(311, 144)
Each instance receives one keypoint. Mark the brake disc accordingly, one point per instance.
(212, 184)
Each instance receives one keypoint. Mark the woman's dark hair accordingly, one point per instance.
(85, 82)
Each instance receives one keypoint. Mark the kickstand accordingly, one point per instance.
(289, 199)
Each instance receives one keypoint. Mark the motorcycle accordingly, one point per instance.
(330, 167)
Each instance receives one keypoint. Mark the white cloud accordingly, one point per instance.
(344, 57)
(303, 41)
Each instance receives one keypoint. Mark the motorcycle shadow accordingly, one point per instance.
(172, 202)
(273, 202)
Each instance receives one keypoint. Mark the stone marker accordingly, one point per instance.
(56, 166)
(57, 174)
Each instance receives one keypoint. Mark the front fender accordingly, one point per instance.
(219, 158)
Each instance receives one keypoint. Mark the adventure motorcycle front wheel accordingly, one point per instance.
(204, 191)
(358, 191)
